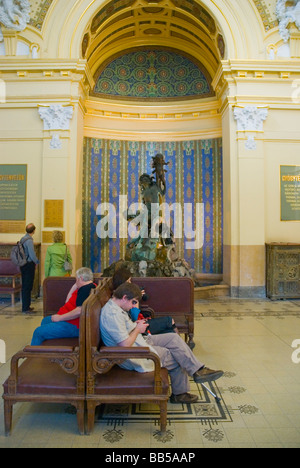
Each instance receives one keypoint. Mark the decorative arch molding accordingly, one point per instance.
(243, 32)
(41, 8)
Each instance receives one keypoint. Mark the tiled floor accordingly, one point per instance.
(251, 340)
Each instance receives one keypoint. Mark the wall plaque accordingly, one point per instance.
(54, 213)
(13, 181)
(290, 193)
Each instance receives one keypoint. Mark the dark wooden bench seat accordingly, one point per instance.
(10, 279)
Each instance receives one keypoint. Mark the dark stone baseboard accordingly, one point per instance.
(247, 292)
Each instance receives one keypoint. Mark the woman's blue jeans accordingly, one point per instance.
(52, 330)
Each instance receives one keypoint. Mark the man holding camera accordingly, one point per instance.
(118, 330)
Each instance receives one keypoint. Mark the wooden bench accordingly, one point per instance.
(174, 297)
(85, 373)
(166, 296)
(106, 382)
(55, 291)
(12, 276)
(52, 373)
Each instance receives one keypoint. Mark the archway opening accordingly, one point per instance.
(160, 56)
(186, 27)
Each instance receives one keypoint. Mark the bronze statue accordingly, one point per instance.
(158, 164)
(152, 250)
(151, 245)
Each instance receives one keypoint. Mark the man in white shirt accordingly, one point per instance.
(117, 329)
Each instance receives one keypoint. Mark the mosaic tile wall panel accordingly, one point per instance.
(112, 168)
(153, 74)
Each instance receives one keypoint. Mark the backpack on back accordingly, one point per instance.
(17, 255)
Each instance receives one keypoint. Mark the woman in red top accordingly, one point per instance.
(65, 324)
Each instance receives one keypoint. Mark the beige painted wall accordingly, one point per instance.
(53, 174)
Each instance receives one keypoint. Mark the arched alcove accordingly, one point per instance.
(122, 25)
(238, 48)
(213, 35)
(153, 65)
(240, 24)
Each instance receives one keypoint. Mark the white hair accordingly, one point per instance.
(85, 274)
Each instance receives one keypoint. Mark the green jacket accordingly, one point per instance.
(55, 258)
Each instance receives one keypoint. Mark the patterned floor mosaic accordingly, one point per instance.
(239, 308)
(208, 413)
(251, 340)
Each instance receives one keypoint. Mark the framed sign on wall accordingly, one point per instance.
(13, 185)
(54, 213)
(290, 193)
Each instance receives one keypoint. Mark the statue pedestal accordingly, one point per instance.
(180, 268)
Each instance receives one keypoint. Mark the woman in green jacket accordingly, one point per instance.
(56, 256)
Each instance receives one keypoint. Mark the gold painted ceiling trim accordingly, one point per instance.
(187, 109)
(91, 132)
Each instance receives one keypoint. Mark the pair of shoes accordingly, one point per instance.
(191, 344)
(184, 398)
(31, 309)
(207, 375)
(28, 312)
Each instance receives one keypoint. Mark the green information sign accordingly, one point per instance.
(13, 192)
(290, 193)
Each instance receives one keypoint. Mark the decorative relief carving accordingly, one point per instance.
(55, 142)
(287, 15)
(251, 143)
(250, 119)
(56, 117)
(14, 14)
(103, 365)
(69, 364)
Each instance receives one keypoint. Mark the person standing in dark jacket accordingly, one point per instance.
(28, 270)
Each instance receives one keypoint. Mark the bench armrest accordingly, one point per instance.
(113, 350)
(116, 355)
(10, 275)
(66, 356)
(107, 357)
(33, 350)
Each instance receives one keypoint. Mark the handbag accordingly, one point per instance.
(160, 325)
(67, 266)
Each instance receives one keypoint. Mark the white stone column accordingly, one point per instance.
(251, 199)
